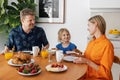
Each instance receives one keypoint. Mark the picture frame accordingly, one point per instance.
(50, 11)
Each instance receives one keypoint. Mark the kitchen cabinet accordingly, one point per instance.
(116, 67)
(105, 5)
(116, 44)
(116, 71)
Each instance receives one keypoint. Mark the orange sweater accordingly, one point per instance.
(101, 52)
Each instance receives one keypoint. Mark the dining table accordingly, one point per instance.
(73, 72)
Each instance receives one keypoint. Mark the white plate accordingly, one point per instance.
(49, 68)
(28, 52)
(29, 74)
(10, 63)
(70, 52)
(69, 58)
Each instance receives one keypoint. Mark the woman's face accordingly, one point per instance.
(92, 28)
(65, 37)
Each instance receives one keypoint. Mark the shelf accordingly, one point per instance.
(105, 5)
(114, 39)
(105, 9)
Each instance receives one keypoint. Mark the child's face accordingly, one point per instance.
(65, 37)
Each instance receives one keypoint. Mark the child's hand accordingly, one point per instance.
(54, 48)
(77, 51)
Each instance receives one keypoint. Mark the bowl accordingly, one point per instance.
(114, 35)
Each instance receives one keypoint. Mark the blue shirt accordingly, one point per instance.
(23, 41)
(70, 47)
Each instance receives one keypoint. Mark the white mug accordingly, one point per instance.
(35, 50)
(59, 55)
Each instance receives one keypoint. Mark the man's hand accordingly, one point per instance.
(5, 50)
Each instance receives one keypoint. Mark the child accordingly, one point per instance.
(64, 39)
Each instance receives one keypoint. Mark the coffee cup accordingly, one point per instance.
(35, 50)
(59, 55)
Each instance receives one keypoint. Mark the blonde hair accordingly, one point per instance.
(100, 23)
(26, 12)
(60, 33)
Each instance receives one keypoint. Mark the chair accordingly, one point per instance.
(116, 68)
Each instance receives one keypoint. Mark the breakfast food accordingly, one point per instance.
(21, 58)
(29, 69)
(114, 31)
(56, 65)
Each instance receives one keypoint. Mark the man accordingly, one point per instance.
(26, 35)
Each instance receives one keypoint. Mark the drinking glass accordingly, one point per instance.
(44, 53)
(50, 54)
(8, 55)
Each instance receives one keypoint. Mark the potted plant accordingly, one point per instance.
(10, 14)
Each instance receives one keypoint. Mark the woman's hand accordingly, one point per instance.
(87, 61)
(80, 60)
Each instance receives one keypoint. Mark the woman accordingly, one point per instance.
(99, 53)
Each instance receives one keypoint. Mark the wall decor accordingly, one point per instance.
(50, 11)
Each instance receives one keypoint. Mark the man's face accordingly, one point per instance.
(28, 22)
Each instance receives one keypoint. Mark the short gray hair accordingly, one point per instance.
(26, 12)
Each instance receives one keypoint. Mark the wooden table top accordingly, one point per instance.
(74, 71)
